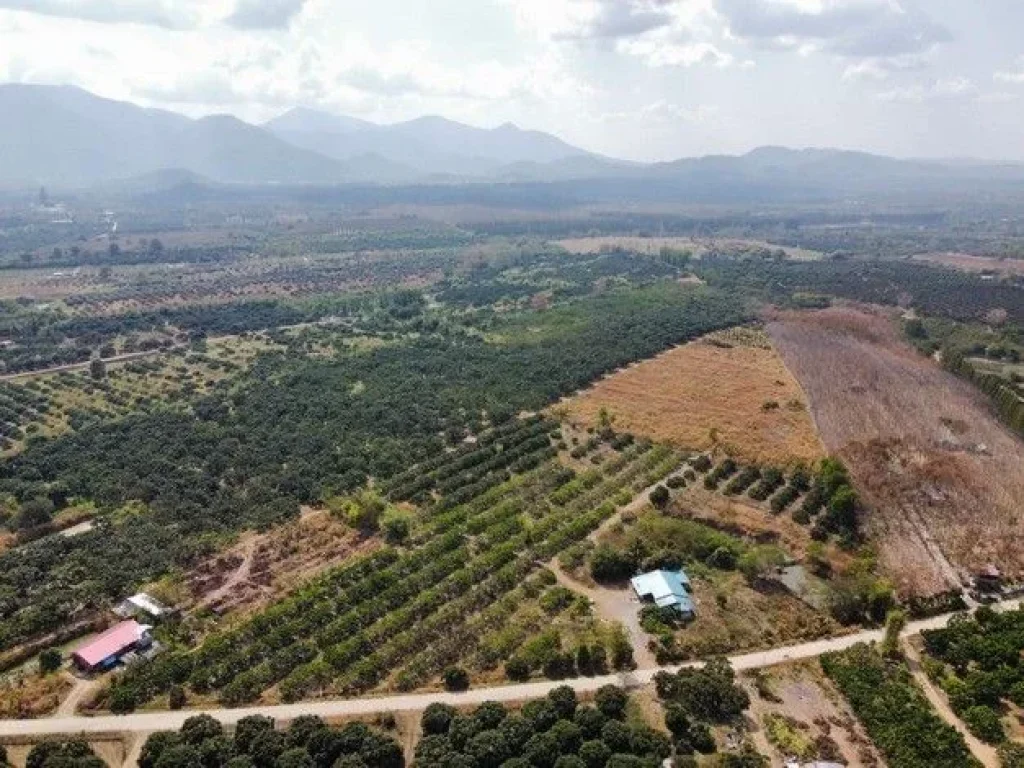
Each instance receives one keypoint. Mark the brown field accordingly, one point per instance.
(707, 395)
(940, 475)
(969, 263)
(263, 567)
(698, 246)
(816, 712)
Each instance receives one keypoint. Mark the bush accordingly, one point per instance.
(984, 723)
(456, 679)
(437, 719)
(611, 701)
(660, 497)
(608, 564)
(516, 669)
(50, 661)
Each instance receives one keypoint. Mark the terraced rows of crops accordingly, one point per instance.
(399, 618)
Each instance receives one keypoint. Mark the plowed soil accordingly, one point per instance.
(941, 477)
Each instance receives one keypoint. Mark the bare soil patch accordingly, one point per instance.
(726, 391)
(942, 478)
(817, 714)
(262, 567)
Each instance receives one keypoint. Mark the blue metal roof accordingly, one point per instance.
(666, 588)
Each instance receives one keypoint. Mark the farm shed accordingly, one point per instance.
(107, 649)
(666, 589)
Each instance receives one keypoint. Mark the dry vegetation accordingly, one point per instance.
(29, 694)
(263, 567)
(697, 246)
(806, 717)
(942, 478)
(730, 391)
(968, 263)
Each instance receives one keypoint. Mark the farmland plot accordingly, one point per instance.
(729, 390)
(941, 476)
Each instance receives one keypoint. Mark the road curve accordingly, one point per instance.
(146, 722)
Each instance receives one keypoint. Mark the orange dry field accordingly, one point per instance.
(941, 477)
(729, 391)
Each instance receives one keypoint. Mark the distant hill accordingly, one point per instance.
(67, 137)
(426, 145)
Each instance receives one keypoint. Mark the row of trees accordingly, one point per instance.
(415, 615)
(308, 742)
(980, 668)
(897, 716)
(554, 732)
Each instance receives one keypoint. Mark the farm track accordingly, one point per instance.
(985, 753)
(126, 358)
(147, 722)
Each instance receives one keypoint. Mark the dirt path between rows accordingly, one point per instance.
(80, 691)
(985, 753)
(615, 605)
(240, 574)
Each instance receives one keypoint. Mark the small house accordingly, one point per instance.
(105, 651)
(666, 589)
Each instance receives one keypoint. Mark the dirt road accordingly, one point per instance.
(145, 722)
(985, 753)
(615, 605)
(82, 366)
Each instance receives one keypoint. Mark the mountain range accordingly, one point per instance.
(68, 138)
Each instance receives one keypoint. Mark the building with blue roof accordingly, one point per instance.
(666, 589)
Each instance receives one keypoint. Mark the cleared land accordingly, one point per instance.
(942, 478)
(729, 391)
(969, 263)
(800, 714)
(698, 246)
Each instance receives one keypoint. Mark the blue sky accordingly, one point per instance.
(643, 79)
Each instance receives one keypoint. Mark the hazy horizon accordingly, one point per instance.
(633, 79)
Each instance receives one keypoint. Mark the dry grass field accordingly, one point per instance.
(698, 246)
(969, 263)
(729, 391)
(943, 479)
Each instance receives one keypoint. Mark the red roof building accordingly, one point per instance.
(107, 649)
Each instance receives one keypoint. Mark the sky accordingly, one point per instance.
(637, 79)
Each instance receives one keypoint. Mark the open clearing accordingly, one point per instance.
(806, 717)
(943, 479)
(969, 263)
(697, 246)
(729, 391)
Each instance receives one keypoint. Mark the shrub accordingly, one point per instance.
(984, 723)
(456, 679)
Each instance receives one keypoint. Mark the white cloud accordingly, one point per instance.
(665, 111)
(1014, 76)
(850, 28)
(169, 14)
(943, 88)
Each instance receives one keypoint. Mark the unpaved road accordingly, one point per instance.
(616, 605)
(146, 722)
(127, 357)
(985, 753)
